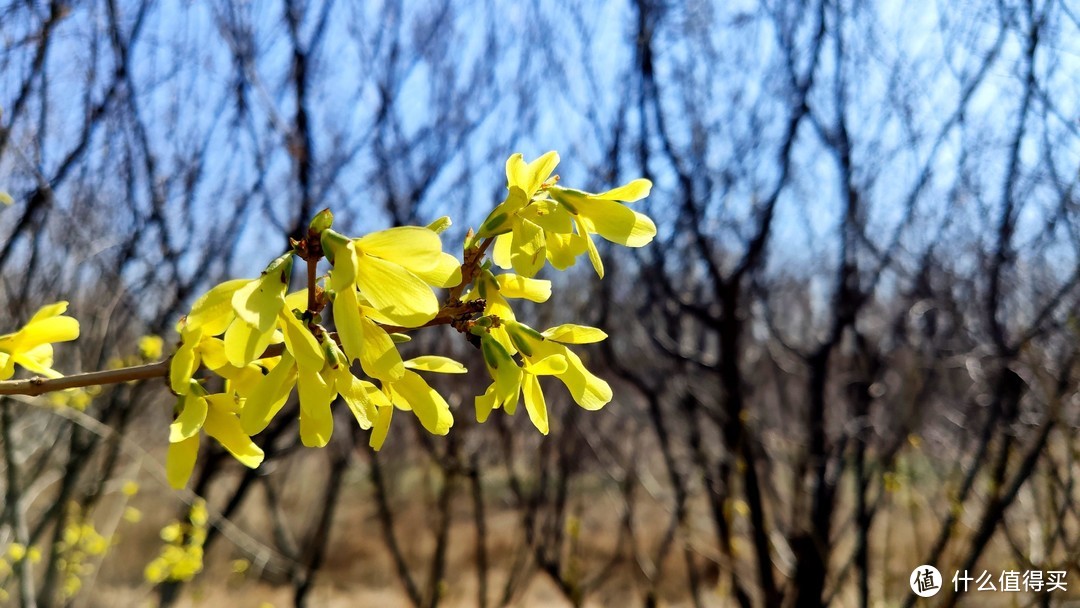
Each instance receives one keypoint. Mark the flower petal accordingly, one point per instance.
(344, 273)
(514, 286)
(192, 415)
(435, 363)
(589, 391)
(301, 343)
(446, 272)
(48, 330)
(225, 427)
(412, 247)
(551, 365)
(504, 371)
(485, 403)
(618, 223)
(574, 334)
(347, 319)
(268, 396)
(180, 461)
(244, 342)
(396, 292)
(534, 402)
(213, 310)
(529, 177)
(428, 405)
(183, 366)
(594, 255)
(258, 302)
(635, 190)
(563, 249)
(501, 252)
(527, 254)
(381, 428)
(379, 357)
(316, 419)
(352, 391)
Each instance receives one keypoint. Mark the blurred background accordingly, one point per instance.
(851, 349)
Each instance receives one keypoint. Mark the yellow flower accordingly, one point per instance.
(151, 347)
(31, 346)
(605, 215)
(540, 221)
(394, 271)
(542, 354)
(412, 393)
(495, 290)
(217, 415)
(245, 310)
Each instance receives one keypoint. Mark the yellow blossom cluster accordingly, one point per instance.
(267, 343)
(31, 346)
(79, 543)
(182, 556)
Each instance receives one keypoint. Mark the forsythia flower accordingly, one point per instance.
(151, 347)
(542, 354)
(31, 346)
(412, 392)
(182, 557)
(495, 290)
(265, 343)
(394, 271)
(217, 415)
(540, 221)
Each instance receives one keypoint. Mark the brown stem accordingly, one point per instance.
(39, 385)
(450, 312)
(469, 266)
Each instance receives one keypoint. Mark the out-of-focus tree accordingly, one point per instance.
(850, 353)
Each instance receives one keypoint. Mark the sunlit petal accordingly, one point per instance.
(534, 402)
(574, 334)
(180, 461)
(413, 247)
(301, 343)
(635, 190)
(213, 311)
(435, 363)
(225, 427)
(379, 356)
(514, 286)
(244, 342)
(428, 405)
(192, 415)
(316, 419)
(381, 428)
(268, 396)
(396, 292)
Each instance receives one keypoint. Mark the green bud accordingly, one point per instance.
(483, 322)
(282, 264)
(493, 225)
(331, 242)
(563, 196)
(440, 225)
(521, 336)
(322, 221)
(494, 353)
(331, 351)
(400, 338)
